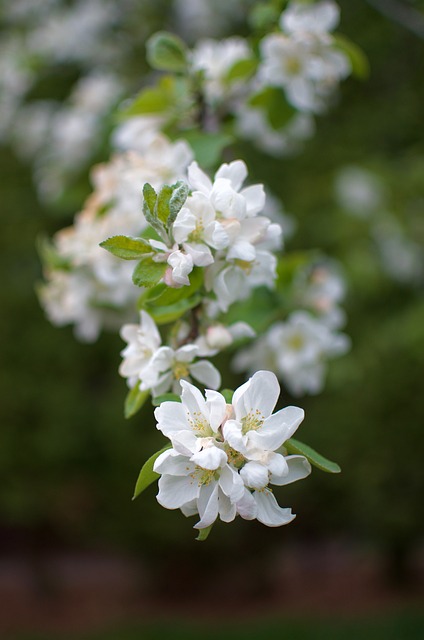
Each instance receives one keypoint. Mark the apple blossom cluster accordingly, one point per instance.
(298, 347)
(273, 97)
(224, 457)
(85, 286)
(202, 247)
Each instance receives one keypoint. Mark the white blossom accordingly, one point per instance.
(224, 457)
(297, 350)
(320, 17)
(215, 58)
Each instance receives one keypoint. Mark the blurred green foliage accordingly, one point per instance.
(68, 458)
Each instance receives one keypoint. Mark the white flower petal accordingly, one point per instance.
(254, 475)
(255, 199)
(198, 179)
(171, 417)
(269, 511)
(174, 491)
(246, 506)
(207, 505)
(210, 458)
(259, 393)
(298, 468)
(217, 408)
(235, 172)
(206, 373)
(231, 483)
(168, 463)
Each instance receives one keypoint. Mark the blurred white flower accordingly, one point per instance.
(359, 191)
(297, 350)
(215, 58)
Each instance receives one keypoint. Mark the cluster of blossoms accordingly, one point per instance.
(224, 456)
(202, 245)
(85, 285)
(218, 228)
(298, 349)
(294, 78)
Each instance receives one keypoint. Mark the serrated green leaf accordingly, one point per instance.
(203, 533)
(315, 458)
(134, 401)
(179, 195)
(162, 204)
(207, 147)
(165, 397)
(241, 70)
(357, 58)
(148, 273)
(149, 202)
(164, 315)
(166, 52)
(228, 395)
(126, 247)
(147, 476)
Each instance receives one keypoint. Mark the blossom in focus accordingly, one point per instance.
(224, 457)
(160, 368)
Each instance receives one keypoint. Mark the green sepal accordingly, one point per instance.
(147, 476)
(126, 247)
(357, 58)
(134, 401)
(203, 533)
(207, 147)
(148, 273)
(165, 397)
(315, 458)
(228, 395)
(166, 52)
(172, 312)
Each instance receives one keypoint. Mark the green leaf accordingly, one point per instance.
(148, 273)
(166, 52)
(315, 458)
(228, 395)
(241, 70)
(207, 147)
(179, 196)
(134, 401)
(273, 101)
(162, 204)
(162, 295)
(203, 533)
(164, 315)
(147, 476)
(149, 203)
(165, 397)
(357, 58)
(126, 247)
(150, 100)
